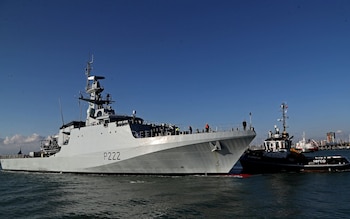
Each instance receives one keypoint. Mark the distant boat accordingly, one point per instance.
(111, 143)
(278, 156)
(306, 146)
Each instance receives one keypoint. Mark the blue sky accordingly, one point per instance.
(185, 62)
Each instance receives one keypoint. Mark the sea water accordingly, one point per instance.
(283, 195)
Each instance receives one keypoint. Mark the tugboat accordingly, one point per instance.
(277, 155)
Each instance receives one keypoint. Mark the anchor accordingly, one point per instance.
(216, 146)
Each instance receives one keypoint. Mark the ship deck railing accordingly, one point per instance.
(11, 156)
(151, 133)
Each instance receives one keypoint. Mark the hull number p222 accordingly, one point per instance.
(111, 155)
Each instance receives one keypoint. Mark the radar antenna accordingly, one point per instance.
(88, 71)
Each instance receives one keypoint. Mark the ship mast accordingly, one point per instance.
(284, 118)
(99, 108)
(284, 108)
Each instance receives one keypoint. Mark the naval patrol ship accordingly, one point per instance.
(109, 143)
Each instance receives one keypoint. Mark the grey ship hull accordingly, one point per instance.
(200, 153)
(199, 157)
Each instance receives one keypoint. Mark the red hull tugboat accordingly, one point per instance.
(277, 155)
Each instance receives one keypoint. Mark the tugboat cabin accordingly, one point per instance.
(277, 141)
